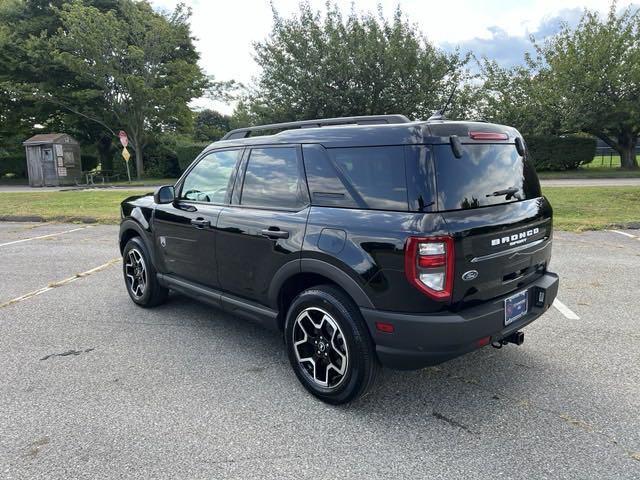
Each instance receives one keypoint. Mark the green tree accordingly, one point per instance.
(317, 65)
(140, 63)
(594, 73)
(517, 97)
(28, 72)
(585, 79)
(210, 126)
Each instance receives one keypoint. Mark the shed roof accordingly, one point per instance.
(42, 138)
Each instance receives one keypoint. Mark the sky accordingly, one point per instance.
(225, 30)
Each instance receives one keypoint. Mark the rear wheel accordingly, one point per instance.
(140, 275)
(329, 346)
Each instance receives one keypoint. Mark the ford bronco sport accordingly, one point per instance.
(365, 240)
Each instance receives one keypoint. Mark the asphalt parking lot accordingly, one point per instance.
(92, 386)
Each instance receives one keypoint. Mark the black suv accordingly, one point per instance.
(365, 240)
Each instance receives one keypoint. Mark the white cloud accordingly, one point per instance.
(225, 30)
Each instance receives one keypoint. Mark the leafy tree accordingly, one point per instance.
(21, 24)
(210, 126)
(324, 65)
(139, 63)
(517, 97)
(595, 78)
(585, 79)
(27, 70)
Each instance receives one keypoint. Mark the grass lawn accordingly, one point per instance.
(604, 161)
(142, 183)
(591, 172)
(71, 206)
(593, 208)
(576, 208)
(602, 166)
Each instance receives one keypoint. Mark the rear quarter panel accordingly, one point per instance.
(368, 245)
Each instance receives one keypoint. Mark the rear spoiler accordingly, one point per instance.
(456, 143)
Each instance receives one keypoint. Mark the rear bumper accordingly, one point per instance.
(422, 340)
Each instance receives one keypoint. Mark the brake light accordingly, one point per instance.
(428, 265)
(488, 136)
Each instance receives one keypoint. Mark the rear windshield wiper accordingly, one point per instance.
(509, 192)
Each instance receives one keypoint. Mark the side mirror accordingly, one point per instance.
(164, 194)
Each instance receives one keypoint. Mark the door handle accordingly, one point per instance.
(200, 222)
(267, 232)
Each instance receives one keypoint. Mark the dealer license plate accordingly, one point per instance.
(515, 307)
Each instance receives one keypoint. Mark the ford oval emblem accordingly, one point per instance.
(470, 275)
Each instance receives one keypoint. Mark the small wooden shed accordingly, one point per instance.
(53, 159)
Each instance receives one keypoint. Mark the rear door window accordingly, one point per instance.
(487, 174)
(273, 179)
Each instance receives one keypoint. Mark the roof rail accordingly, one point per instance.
(361, 120)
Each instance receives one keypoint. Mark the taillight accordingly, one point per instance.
(428, 265)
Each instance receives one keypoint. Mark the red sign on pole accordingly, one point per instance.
(124, 140)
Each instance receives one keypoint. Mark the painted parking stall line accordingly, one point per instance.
(60, 283)
(14, 242)
(625, 234)
(564, 310)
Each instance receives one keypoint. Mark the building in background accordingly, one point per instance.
(53, 159)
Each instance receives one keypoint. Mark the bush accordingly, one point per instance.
(89, 162)
(187, 153)
(16, 165)
(160, 161)
(560, 153)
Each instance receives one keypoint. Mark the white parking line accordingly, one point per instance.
(624, 233)
(564, 310)
(60, 283)
(43, 236)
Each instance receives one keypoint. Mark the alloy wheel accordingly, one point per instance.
(320, 347)
(136, 272)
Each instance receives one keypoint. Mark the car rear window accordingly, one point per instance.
(487, 174)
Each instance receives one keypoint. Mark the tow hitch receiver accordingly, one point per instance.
(517, 338)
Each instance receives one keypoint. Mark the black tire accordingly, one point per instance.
(152, 293)
(352, 338)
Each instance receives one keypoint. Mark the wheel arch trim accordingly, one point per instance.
(320, 267)
(131, 224)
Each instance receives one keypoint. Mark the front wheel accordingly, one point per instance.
(329, 346)
(140, 275)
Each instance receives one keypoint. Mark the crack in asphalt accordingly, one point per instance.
(34, 447)
(569, 420)
(452, 422)
(67, 353)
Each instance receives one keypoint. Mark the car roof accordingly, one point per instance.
(410, 133)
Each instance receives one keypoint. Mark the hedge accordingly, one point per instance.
(89, 162)
(560, 153)
(188, 153)
(14, 164)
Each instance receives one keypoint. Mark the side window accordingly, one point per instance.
(272, 179)
(366, 177)
(328, 188)
(211, 178)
